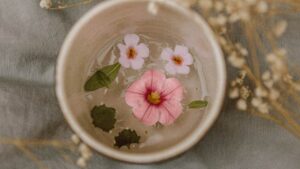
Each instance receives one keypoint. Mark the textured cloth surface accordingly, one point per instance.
(30, 39)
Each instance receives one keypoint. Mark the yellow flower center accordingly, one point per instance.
(177, 60)
(153, 98)
(131, 53)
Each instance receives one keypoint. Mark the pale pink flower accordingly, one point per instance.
(154, 98)
(178, 60)
(132, 54)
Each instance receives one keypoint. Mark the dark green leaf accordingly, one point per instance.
(198, 104)
(104, 117)
(126, 137)
(103, 77)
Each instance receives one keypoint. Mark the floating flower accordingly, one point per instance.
(132, 54)
(178, 60)
(154, 98)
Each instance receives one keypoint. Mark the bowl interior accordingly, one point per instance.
(103, 26)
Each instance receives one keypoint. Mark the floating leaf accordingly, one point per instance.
(104, 117)
(126, 137)
(103, 77)
(198, 104)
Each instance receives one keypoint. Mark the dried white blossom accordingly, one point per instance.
(263, 108)
(256, 102)
(241, 49)
(244, 15)
(269, 83)
(81, 162)
(218, 20)
(205, 4)
(75, 139)
(234, 93)
(236, 61)
(46, 4)
(266, 75)
(152, 8)
(274, 94)
(83, 148)
(242, 104)
(280, 28)
(261, 92)
(245, 92)
(262, 7)
(251, 2)
(234, 18)
(219, 6)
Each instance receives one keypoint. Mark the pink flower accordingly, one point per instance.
(132, 54)
(154, 98)
(178, 60)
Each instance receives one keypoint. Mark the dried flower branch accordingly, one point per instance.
(61, 146)
(259, 92)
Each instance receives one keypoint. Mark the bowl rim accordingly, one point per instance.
(139, 158)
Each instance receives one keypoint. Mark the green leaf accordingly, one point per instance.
(126, 137)
(104, 117)
(198, 104)
(103, 77)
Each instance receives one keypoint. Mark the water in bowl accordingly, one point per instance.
(193, 83)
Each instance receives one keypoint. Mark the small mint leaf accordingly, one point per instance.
(104, 117)
(103, 77)
(126, 137)
(198, 104)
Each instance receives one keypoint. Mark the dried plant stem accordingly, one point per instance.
(60, 7)
(248, 27)
(36, 142)
(23, 145)
(30, 155)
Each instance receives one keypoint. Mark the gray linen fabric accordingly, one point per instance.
(30, 39)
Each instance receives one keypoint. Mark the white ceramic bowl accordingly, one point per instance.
(115, 18)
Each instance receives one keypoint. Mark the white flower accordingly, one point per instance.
(274, 94)
(81, 162)
(236, 61)
(280, 28)
(152, 8)
(205, 4)
(256, 102)
(262, 7)
(242, 104)
(46, 4)
(75, 139)
(261, 92)
(178, 60)
(234, 93)
(263, 108)
(132, 54)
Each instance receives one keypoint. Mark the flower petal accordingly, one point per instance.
(170, 68)
(172, 90)
(151, 116)
(187, 59)
(179, 50)
(134, 97)
(137, 63)
(124, 61)
(183, 69)
(131, 40)
(138, 87)
(167, 54)
(185, 54)
(170, 110)
(140, 109)
(123, 49)
(153, 79)
(142, 50)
